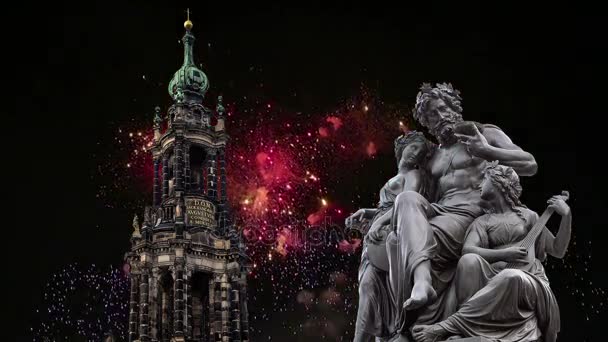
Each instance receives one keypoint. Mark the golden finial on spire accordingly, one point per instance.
(188, 24)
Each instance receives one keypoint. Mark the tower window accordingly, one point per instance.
(197, 168)
(200, 306)
(171, 173)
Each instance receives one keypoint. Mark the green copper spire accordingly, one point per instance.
(188, 41)
(189, 83)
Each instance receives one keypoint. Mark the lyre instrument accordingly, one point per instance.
(529, 241)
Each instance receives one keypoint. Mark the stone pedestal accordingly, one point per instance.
(469, 339)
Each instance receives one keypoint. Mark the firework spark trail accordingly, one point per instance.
(85, 302)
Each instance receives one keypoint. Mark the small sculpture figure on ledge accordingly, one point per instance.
(220, 107)
(148, 216)
(136, 232)
(157, 118)
(157, 123)
(158, 216)
(430, 266)
(220, 126)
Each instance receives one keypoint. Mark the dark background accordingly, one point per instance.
(534, 73)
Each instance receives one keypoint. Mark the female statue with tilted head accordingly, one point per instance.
(376, 310)
(500, 290)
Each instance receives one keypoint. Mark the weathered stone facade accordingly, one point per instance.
(188, 264)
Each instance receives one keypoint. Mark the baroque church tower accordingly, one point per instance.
(187, 261)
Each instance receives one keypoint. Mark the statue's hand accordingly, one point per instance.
(499, 265)
(377, 234)
(356, 217)
(476, 144)
(374, 236)
(515, 254)
(560, 206)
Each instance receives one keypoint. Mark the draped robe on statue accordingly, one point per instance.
(427, 231)
(506, 305)
(376, 305)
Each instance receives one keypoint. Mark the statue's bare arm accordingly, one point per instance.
(494, 144)
(558, 245)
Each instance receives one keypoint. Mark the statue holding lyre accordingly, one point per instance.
(500, 288)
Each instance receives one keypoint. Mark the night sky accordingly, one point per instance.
(315, 96)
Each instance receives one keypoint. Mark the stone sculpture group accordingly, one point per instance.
(450, 251)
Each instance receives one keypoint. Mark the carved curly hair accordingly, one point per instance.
(443, 91)
(405, 139)
(507, 181)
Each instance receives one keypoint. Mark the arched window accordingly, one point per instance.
(200, 306)
(197, 169)
(171, 173)
(165, 306)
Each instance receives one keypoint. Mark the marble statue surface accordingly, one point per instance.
(450, 252)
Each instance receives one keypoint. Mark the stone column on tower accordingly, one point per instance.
(165, 176)
(223, 221)
(133, 307)
(187, 165)
(217, 308)
(211, 313)
(166, 308)
(244, 310)
(222, 170)
(211, 174)
(179, 163)
(225, 288)
(235, 312)
(156, 185)
(143, 305)
(188, 297)
(179, 311)
(153, 299)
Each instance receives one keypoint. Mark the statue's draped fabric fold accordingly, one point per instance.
(376, 305)
(511, 305)
(425, 231)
